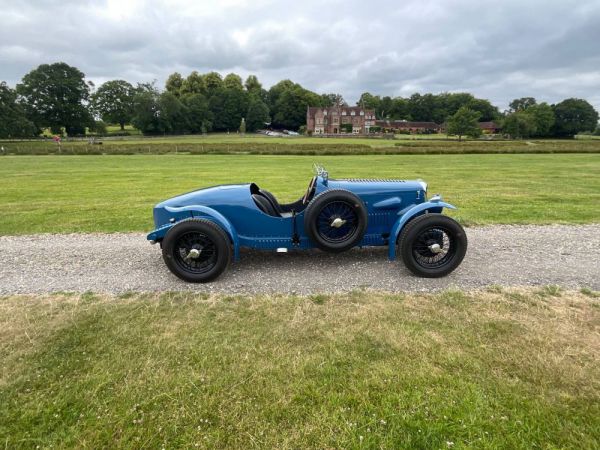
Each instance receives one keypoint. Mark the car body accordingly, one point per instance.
(370, 212)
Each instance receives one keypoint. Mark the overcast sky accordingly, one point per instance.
(495, 49)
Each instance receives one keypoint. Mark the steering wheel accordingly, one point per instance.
(311, 186)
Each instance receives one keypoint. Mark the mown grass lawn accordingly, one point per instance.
(498, 369)
(116, 193)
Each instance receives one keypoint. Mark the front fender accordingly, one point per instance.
(200, 212)
(435, 205)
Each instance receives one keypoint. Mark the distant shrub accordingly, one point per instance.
(98, 127)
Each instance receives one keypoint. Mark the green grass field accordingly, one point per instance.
(116, 193)
(499, 369)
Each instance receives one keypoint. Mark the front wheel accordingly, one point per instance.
(196, 250)
(433, 245)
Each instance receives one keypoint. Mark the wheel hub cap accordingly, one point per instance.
(337, 222)
(435, 248)
(194, 253)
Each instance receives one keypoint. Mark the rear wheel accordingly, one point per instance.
(433, 245)
(196, 250)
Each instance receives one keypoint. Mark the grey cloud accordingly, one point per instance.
(499, 50)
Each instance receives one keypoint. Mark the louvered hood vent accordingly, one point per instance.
(370, 180)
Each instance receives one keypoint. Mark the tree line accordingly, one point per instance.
(57, 96)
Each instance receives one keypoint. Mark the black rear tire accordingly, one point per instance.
(432, 245)
(196, 250)
(335, 220)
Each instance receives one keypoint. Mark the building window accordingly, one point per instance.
(352, 113)
(343, 113)
(362, 113)
(325, 112)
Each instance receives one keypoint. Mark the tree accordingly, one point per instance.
(288, 101)
(173, 114)
(422, 107)
(520, 124)
(574, 115)
(521, 104)
(228, 106)
(257, 115)
(252, 84)
(233, 81)
(13, 122)
(54, 96)
(543, 116)
(174, 83)
(276, 91)
(369, 101)
(399, 109)
(452, 102)
(465, 122)
(113, 101)
(146, 112)
(333, 100)
(199, 117)
(485, 108)
(290, 108)
(193, 84)
(385, 107)
(212, 82)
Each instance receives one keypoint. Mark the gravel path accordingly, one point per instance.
(505, 255)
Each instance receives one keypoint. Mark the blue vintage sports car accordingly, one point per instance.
(200, 231)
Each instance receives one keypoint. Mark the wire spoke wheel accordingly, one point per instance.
(195, 252)
(337, 222)
(433, 248)
(432, 245)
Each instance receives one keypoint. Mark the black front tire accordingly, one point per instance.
(432, 245)
(196, 250)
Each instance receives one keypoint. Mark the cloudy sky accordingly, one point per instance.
(495, 49)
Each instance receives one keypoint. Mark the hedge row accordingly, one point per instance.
(409, 148)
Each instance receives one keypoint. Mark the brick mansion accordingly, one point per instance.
(358, 120)
(339, 120)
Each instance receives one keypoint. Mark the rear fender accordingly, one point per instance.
(199, 212)
(435, 205)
